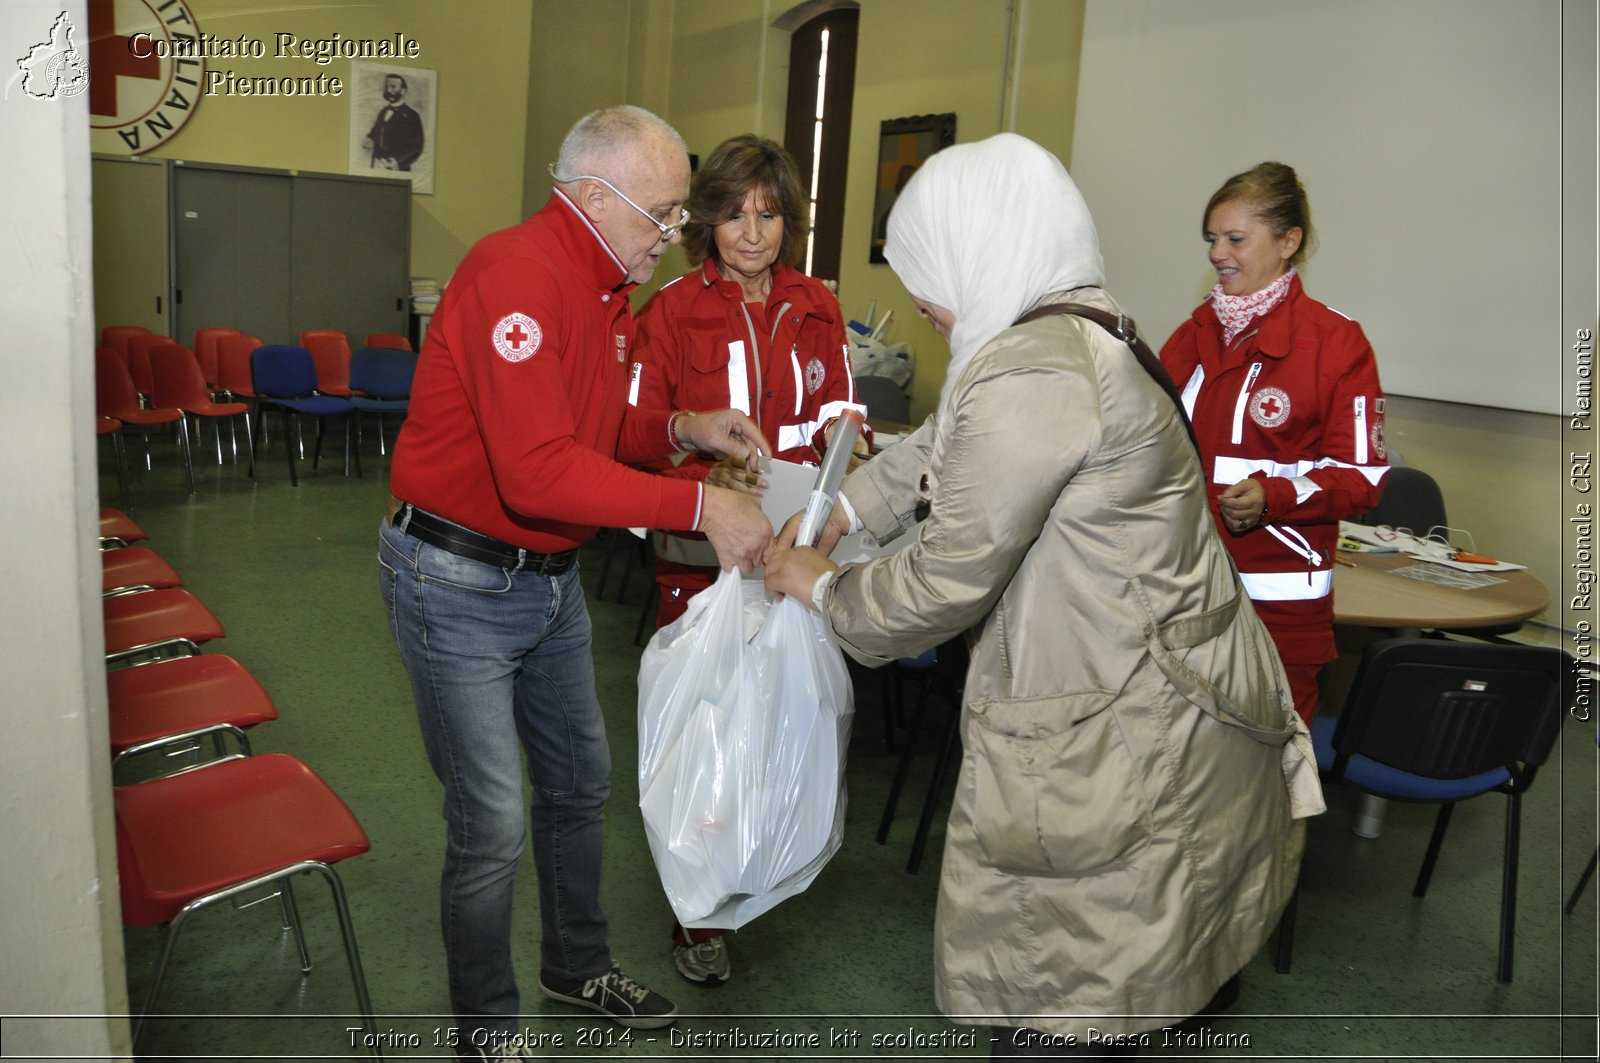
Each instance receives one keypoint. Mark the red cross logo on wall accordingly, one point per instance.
(111, 57)
(516, 337)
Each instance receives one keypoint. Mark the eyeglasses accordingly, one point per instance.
(667, 231)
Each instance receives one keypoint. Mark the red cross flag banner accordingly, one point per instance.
(147, 73)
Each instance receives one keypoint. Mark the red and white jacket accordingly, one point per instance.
(519, 419)
(1294, 401)
(786, 364)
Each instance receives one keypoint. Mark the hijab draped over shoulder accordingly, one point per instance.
(987, 230)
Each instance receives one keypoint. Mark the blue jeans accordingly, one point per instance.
(496, 656)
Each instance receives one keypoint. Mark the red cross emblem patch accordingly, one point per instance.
(1269, 407)
(516, 337)
(816, 373)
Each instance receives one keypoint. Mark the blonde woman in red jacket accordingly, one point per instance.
(1283, 393)
(746, 330)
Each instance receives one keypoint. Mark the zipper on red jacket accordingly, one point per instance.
(1298, 544)
(755, 360)
(1243, 401)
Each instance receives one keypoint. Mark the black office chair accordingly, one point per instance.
(1411, 499)
(1441, 721)
(883, 399)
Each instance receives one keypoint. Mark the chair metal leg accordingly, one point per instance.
(890, 695)
(1583, 881)
(288, 447)
(1508, 886)
(279, 879)
(952, 738)
(652, 602)
(353, 953)
(188, 457)
(1440, 825)
(250, 443)
(1285, 952)
(613, 537)
(169, 935)
(119, 450)
(291, 918)
(903, 768)
(352, 452)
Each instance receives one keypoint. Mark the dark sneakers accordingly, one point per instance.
(617, 997)
(702, 962)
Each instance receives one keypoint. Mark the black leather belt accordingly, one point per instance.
(467, 543)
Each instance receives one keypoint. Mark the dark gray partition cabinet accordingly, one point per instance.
(269, 252)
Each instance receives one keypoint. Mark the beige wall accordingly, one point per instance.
(481, 119)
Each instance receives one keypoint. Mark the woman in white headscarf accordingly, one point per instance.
(1124, 832)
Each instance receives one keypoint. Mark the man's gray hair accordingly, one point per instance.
(605, 137)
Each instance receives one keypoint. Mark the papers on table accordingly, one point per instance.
(1444, 577)
(1431, 547)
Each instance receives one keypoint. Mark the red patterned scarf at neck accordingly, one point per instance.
(1237, 311)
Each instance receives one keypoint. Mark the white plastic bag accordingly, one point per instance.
(744, 722)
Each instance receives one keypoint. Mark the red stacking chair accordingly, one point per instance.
(135, 568)
(116, 396)
(225, 831)
(330, 351)
(206, 341)
(117, 336)
(180, 384)
(110, 426)
(388, 340)
(233, 366)
(234, 380)
(118, 529)
(139, 348)
(156, 624)
(159, 704)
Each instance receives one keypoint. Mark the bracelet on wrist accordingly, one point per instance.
(673, 440)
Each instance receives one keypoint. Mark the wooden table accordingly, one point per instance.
(1371, 595)
(894, 430)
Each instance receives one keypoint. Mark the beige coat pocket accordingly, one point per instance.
(1057, 793)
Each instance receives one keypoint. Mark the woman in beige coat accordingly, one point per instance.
(1124, 833)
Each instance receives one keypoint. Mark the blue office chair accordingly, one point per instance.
(285, 378)
(380, 378)
(1440, 721)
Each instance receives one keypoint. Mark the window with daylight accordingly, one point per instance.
(822, 75)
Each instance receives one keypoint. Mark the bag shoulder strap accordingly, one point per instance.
(1122, 327)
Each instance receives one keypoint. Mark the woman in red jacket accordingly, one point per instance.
(747, 330)
(1283, 393)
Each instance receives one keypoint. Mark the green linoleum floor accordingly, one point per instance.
(291, 573)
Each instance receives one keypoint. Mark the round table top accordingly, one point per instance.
(1370, 594)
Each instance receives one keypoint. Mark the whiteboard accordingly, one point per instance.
(1427, 134)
